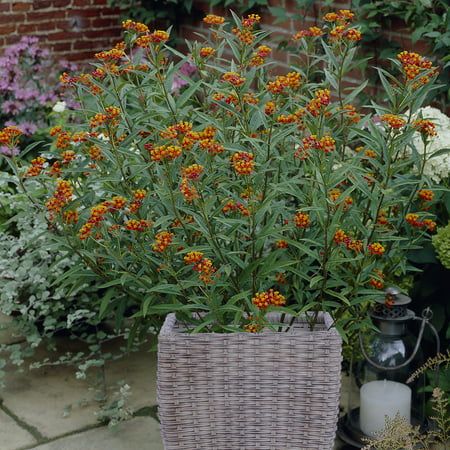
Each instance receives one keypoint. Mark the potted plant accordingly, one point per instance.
(254, 204)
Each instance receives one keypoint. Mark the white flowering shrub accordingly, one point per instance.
(437, 166)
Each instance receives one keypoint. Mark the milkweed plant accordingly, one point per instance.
(251, 188)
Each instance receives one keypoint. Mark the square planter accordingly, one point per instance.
(244, 391)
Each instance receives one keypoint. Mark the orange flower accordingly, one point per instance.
(394, 121)
(192, 172)
(193, 257)
(212, 19)
(137, 225)
(310, 32)
(116, 53)
(263, 51)
(9, 135)
(377, 282)
(70, 217)
(340, 236)
(426, 127)
(233, 78)
(320, 101)
(95, 153)
(245, 35)
(330, 17)
(162, 240)
(290, 80)
(376, 249)
(165, 153)
(189, 191)
(281, 244)
(426, 195)
(352, 34)
(413, 64)
(269, 108)
(251, 20)
(37, 165)
(413, 219)
(302, 220)
(429, 224)
(135, 26)
(68, 156)
(206, 52)
(139, 194)
(243, 163)
(271, 297)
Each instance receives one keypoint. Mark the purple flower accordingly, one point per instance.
(8, 151)
(28, 128)
(179, 80)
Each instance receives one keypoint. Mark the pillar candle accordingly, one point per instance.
(383, 398)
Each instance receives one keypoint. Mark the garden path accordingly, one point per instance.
(49, 409)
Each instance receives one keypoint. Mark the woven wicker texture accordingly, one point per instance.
(243, 391)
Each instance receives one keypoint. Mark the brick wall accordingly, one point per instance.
(73, 29)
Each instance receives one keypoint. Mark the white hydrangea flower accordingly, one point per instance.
(436, 167)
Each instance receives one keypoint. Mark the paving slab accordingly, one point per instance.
(136, 434)
(41, 397)
(12, 436)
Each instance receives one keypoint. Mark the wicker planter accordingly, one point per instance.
(267, 391)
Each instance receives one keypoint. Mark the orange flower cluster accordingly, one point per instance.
(203, 266)
(233, 78)
(206, 52)
(70, 217)
(320, 101)
(269, 108)
(426, 195)
(351, 114)
(291, 80)
(352, 34)
(263, 299)
(111, 115)
(232, 206)
(157, 37)
(376, 249)
(250, 99)
(138, 197)
(212, 19)
(341, 237)
(251, 20)
(95, 153)
(188, 190)
(310, 32)
(55, 169)
(302, 220)
(115, 54)
(413, 220)
(162, 240)
(137, 225)
(378, 282)
(281, 244)
(413, 64)
(61, 197)
(68, 156)
(326, 144)
(426, 127)
(335, 194)
(394, 121)
(165, 153)
(192, 172)
(243, 163)
(37, 166)
(9, 135)
(258, 57)
(135, 26)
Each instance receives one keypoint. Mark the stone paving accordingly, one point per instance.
(41, 409)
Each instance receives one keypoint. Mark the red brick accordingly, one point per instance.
(26, 28)
(45, 16)
(12, 18)
(61, 3)
(4, 7)
(41, 4)
(111, 32)
(20, 6)
(80, 56)
(45, 26)
(12, 39)
(63, 36)
(104, 23)
(89, 45)
(83, 13)
(82, 3)
(62, 47)
(100, 2)
(7, 29)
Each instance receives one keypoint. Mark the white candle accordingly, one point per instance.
(380, 399)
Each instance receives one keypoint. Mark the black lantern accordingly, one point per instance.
(391, 355)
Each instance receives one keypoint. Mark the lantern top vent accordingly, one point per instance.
(393, 306)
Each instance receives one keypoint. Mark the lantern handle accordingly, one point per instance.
(427, 314)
